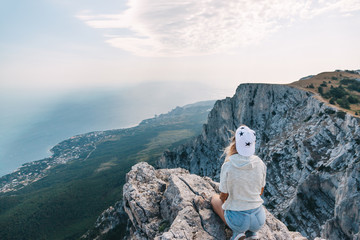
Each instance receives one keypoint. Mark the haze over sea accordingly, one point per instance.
(31, 123)
(51, 49)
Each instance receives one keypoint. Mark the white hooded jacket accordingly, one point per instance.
(242, 178)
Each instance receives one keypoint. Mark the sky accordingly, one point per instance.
(49, 46)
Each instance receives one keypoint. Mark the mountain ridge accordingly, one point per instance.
(340, 89)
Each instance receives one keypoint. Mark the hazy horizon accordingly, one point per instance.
(51, 49)
(30, 128)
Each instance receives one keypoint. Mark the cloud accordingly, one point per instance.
(202, 27)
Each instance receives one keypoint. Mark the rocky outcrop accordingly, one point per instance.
(312, 153)
(174, 204)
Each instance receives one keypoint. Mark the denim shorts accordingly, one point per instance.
(241, 221)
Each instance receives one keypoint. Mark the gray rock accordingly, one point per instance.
(174, 204)
(312, 153)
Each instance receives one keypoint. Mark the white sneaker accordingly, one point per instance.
(252, 238)
(240, 236)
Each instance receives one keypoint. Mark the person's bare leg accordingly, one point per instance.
(216, 204)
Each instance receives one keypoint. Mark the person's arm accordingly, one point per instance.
(263, 180)
(223, 196)
(223, 183)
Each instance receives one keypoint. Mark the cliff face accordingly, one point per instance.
(173, 204)
(312, 152)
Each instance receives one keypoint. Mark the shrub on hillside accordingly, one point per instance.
(346, 81)
(324, 84)
(341, 115)
(329, 111)
(351, 71)
(353, 99)
(355, 86)
(352, 84)
(338, 92)
(326, 95)
(343, 102)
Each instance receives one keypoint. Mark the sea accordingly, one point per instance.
(31, 123)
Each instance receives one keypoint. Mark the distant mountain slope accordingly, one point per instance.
(340, 89)
(61, 196)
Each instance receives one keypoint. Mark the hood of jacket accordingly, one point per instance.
(243, 162)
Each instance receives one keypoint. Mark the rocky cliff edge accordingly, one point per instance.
(174, 204)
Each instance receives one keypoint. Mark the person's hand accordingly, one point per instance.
(223, 196)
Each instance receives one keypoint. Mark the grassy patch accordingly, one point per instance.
(164, 225)
(339, 88)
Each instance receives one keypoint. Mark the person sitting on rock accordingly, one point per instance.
(242, 182)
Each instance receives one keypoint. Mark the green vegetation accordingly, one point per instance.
(353, 99)
(336, 93)
(343, 102)
(329, 111)
(352, 84)
(164, 225)
(66, 203)
(342, 95)
(311, 86)
(324, 84)
(320, 90)
(341, 115)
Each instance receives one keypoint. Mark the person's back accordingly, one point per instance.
(242, 181)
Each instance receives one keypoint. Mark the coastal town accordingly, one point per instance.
(75, 148)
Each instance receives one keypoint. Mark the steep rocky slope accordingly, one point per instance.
(312, 152)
